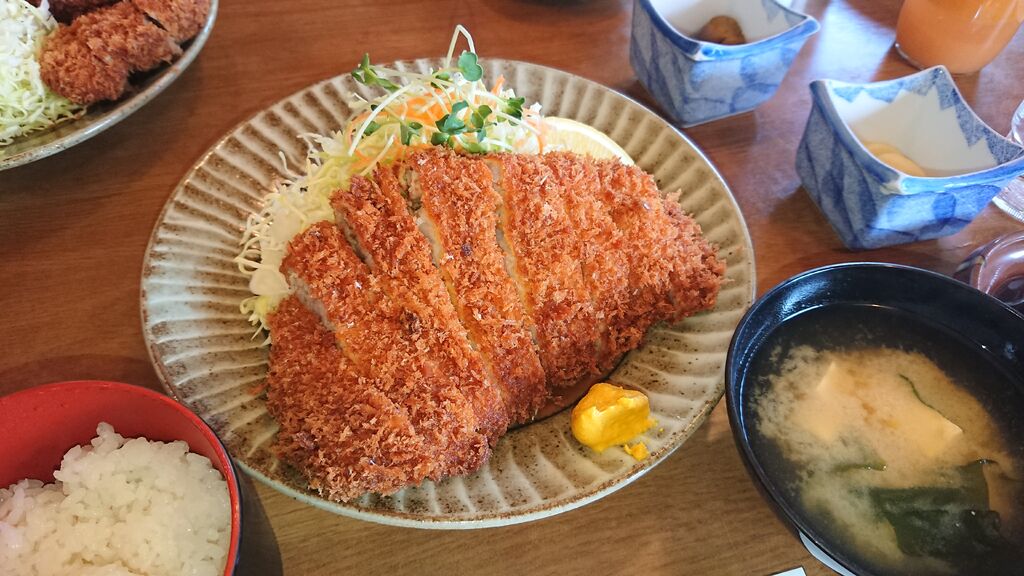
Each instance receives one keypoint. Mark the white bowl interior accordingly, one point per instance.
(920, 128)
(689, 16)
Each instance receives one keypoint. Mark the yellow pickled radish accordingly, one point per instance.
(610, 415)
(900, 162)
(879, 148)
(894, 158)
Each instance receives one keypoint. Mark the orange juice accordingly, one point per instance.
(963, 35)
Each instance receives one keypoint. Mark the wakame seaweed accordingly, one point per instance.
(954, 524)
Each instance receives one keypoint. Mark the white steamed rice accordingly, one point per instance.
(118, 507)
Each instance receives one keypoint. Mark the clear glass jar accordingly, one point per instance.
(962, 35)
(1011, 198)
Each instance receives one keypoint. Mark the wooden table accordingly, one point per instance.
(73, 229)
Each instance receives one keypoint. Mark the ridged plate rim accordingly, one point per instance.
(479, 519)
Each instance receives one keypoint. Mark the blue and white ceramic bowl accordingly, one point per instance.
(697, 81)
(871, 204)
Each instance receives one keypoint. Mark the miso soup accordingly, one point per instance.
(895, 439)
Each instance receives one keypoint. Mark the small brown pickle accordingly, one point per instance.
(722, 30)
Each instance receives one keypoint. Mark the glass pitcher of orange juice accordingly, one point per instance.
(963, 35)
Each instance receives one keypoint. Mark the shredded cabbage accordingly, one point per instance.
(409, 115)
(26, 103)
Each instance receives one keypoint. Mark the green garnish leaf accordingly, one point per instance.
(468, 66)
(438, 138)
(479, 117)
(514, 107)
(409, 130)
(474, 147)
(365, 74)
(371, 128)
(451, 123)
(443, 76)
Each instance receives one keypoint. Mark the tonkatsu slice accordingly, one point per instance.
(337, 427)
(544, 248)
(457, 209)
(456, 294)
(375, 213)
(91, 59)
(384, 341)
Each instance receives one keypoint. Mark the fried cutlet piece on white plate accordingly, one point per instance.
(182, 18)
(377, 217)
(456, 208)
(546, 256)
(337, 427)
(385, 341)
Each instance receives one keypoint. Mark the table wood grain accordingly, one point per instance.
(73, 229)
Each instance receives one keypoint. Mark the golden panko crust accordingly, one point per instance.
(455, 295)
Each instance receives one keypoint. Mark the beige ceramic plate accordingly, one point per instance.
(39, 145)
(203, 350)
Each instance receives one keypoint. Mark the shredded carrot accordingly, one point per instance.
(498, 84)
(354, 125)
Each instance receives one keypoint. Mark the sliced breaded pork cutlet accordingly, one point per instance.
(456, 207)
(674, 271)
(384, 341)
(337, 427)
(121, 32)
(457, 291)
(376, 212)
(70, 68)
(697, 271)
(182, 18)
(91, 59)
(601, 251)
(546, 256)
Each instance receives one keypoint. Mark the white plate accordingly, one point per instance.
(203, 350)
(99, 117)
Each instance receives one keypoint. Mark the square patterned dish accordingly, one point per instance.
(697, 81)
(869, 203)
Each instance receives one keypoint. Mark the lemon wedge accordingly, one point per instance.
(563, 134)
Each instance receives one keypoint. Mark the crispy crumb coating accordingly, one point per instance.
(377, 214)
(337, 427)
(547, 257)
(665, 249)
(182, 18)
(389, 375)
(697, 271)
(91, 60)
(459, 210)
(601, 249)
(122, 32)
(385, 341)
(71, 69)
